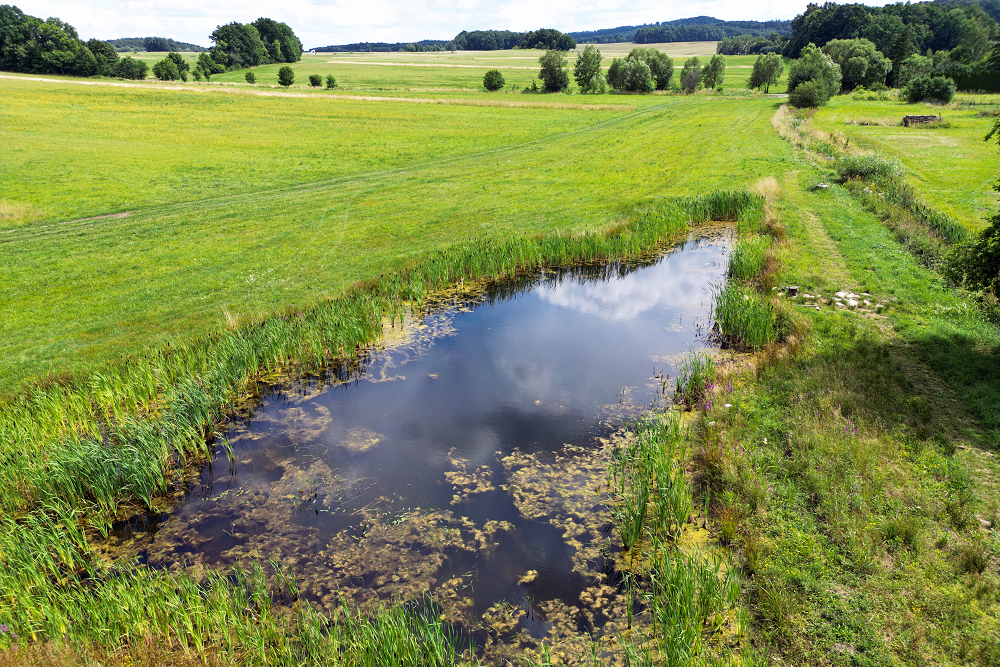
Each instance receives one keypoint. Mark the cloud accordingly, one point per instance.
(323, 22)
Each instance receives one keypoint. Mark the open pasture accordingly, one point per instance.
(239, 205)
(936, 157)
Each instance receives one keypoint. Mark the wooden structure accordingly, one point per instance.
(916, 120)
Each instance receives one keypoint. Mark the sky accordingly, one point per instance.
(324, 22)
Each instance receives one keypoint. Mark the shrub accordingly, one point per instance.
(130, 68)
(197, 74)
(182, 65)
(552, 72)
(286, 76)
(331, 81)
(868, 166)
(251, 77)
(976, 262)
(937, 88)
(493, 80)
(808, 94)
(184, 77)
(315, 80)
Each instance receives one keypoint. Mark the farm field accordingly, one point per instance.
(151, 235)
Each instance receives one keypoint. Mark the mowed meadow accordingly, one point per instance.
(167, 249)
(238, 205)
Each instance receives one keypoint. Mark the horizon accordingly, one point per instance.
(320, 23)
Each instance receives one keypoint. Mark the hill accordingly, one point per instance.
(125, 44)
(693, 29)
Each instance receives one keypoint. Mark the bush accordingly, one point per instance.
(630, 74)
(130, 68)
(251, 77)
(182, 65)
(976, 262)
(937, 88)
(552, 72)
(197, 74)
(493, 80)
(331, 81)
(808, 94)
(286, 76)
(868, 166)
(315, 80)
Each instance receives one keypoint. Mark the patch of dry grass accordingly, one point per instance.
(15, 214)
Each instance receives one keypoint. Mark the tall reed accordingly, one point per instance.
(746, 319)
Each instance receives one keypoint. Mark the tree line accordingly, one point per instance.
(30, 45)
(643, 70)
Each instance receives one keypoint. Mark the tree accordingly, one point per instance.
(207, 65)
(814, 65)
(552, 72)
(937, 88)
(286, 76)
(315, 80)
(587, 67)
(691, 75)
(860, 63)
(130, 68)
(166, 70)
(767, 70)
(914, 66)
(105, 56)
(238, 46)
(630, 75)
(251, 77)
(182, 65)
(493, 80)
(715, 72)
(282, 44)
(661, 66)
(331, 82)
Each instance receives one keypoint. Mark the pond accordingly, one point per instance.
(463, 458)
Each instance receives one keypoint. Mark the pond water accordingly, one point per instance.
(464, 457)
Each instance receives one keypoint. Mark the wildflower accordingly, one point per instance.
(729, 405)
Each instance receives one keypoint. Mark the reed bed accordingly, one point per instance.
(746, 319)
(73, 453)
(749, 258)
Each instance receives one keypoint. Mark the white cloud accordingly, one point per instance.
(322, 22)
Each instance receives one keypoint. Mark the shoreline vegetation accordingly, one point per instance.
(86, 451)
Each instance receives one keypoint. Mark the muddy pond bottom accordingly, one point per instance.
(464, 459)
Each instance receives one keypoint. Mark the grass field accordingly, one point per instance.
(849, 469)
(460, 71)
(269, 201)
(936, 157)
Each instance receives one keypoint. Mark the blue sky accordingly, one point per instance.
(322, 22)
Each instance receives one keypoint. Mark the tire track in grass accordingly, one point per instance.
(373, 178)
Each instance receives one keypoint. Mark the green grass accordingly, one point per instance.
(243, 206)
(952, 167)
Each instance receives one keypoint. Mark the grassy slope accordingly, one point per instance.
(938, 158)
(246, 205)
